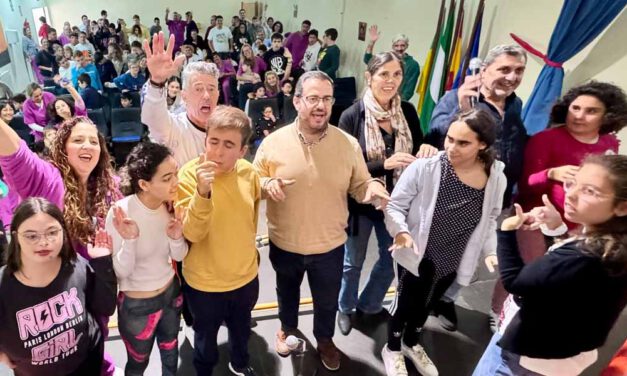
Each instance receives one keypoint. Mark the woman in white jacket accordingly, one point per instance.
(442, 216)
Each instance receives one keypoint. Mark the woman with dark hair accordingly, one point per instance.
(277, 27)
(564, 304)
(7, 111)
(50, 297)
(584, 122)
(78, 178)
(36, 109)
(388, 131)
(136, 35)
(146, 237)
(442, 217)
(174, 100)
(62, 109)
(241, 37)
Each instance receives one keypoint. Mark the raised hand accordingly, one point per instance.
(402, 240)
(274, 188)
(514, 222)
(544, 215)
(159, 59)
(103, 245)
(374, 33)
(470, 88)
(174, 230)
(205, 175)
(563, 173)
(124, 225)
(377, 195)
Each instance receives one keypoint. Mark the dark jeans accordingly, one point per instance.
(143, 320)
(209, 310)
(324, 273)
(412, 304)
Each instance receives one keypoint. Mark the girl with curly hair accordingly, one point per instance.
(78, 178)
(146, 237)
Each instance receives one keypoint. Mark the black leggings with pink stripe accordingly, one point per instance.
(141, 321)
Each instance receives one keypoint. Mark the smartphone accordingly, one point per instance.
(64, 81)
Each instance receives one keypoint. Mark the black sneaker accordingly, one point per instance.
(247, 371)
(445, 311)
(345, 323)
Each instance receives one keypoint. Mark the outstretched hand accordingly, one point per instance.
(174, 230)
(374, 33)
(159, 58)
(103, 245)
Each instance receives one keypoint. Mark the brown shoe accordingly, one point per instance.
(329, 355)
(280, 344)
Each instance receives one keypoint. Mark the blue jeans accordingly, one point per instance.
(371, 298)
(496, 361)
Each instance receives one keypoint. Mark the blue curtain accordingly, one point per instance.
(580, 21)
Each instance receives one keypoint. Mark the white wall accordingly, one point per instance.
(15, 74)
(533, 20)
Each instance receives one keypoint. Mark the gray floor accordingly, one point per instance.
(454, 353)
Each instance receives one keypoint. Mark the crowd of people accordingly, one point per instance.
(156, 238)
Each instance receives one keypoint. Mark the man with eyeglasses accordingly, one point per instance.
(307, 169)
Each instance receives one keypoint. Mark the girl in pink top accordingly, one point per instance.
(35, 109)
(78, 178)
(586, 121)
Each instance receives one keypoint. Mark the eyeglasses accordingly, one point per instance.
(33, 237)
(313, 100)
(587, 193)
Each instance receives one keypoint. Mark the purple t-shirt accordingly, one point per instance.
(178, 29)
(297, 45)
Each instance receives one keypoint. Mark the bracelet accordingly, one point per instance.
(158, 85)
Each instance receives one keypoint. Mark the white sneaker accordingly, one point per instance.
(421, 360)
(394, 362)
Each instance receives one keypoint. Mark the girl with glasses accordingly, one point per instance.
(563, 305)
(50, 296)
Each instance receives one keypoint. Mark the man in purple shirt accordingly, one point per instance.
(177, 28)
(297, 42)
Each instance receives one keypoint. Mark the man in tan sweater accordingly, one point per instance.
(307, 169)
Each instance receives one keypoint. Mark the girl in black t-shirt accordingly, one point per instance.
(50, 296)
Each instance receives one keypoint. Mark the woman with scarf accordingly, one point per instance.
(388, 131)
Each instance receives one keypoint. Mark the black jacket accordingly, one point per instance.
(352, 121)
(568, 300)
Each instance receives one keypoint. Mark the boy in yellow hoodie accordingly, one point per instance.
(221, 192)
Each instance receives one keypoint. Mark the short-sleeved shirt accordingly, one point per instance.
(220, 39)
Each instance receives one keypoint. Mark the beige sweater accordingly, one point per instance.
(313, 217)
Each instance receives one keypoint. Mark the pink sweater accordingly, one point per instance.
(551, 148)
